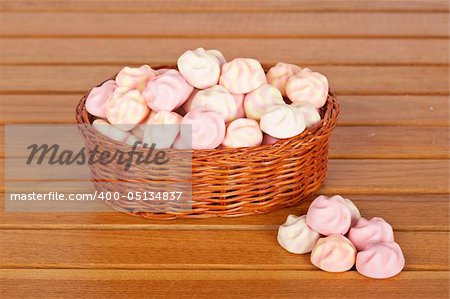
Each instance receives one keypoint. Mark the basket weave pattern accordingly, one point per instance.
(232, 182)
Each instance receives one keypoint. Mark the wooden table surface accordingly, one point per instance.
(388, 63)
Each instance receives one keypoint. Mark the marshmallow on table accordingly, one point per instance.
(258, 100)
(207, 128)
(242, 75)
(167, 91)
(125, 109)
(162, 128)
(282, 121)
(296, 236)
(199, 67)
(354, 212)
(219, 56)
(382, 260)
(328, 216)
(334, 253)
(279, 74)
(242, 132)
(97, 98)
(135, 78)
(307, 86)
(310, 113)
(218, 99)
(367, 232)
(113, 133)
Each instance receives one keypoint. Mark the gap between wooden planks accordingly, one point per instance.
(218, 25)
(374, 80)
(223, 6)
(136, 249)
(357, 110)
(37, 51)
(38, 283)
(404, 212)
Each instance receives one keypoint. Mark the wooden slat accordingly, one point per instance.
(344, 80)
(186, 249)
(361, 142)
(224, 5)
(165, 51)
(42, 283)
(356, 110)
(345, 176)
(403, 212)
(182, 24)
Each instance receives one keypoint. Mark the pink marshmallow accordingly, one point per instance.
(167, 91)
(367, 232)
(242, 75)
(208, 128)
(97, 98)
(125, 109)
(282, 121)
(267, 139)
(307, 86)
(258, 100)
(242, 132)
(296, 236)
(279, 75)
(334, 253)
(162, 128)
(328, 216)
(135, 78)
(179, 143)
(382, 260)
(239, 100)
(218, 99)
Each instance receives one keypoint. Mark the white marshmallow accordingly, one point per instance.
(307, 86)
(199, 67)
(296, 236)
(162, 128)
(258, 100)
(282, 121)
(243, 132)
(218, 99)
(310, 113)
(242, 75)
(279, 75)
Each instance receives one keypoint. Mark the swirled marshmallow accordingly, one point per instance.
(296, 236)
(328, 216)
(162, 128)
(207, 128)
(310, 113)
(199, 67)
(307, 86)
(97, 98)
(279, 74)
(219, 56)
(354, 212)
(218, 99)
(367, 232)
(242, 132)
(382, 260)
(258, 100)
(282, 121)
(334, 253)
(125, 109)
(113, 133)
(242, 75)
(167, 91)
(135, 77)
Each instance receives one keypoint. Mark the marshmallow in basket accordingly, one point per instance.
(252, 105)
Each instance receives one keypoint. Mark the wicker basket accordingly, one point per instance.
(232, 182)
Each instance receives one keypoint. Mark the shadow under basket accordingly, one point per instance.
(228, 182)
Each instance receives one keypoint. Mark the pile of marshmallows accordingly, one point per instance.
(227, 104)
(369, 242)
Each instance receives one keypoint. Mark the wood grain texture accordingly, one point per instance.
(404, 212)
(384, 80)
(123, 51)
(224, 5)
(240, 24)
(345, 176)
(186, 250)
(357, 110)
(38, 283)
